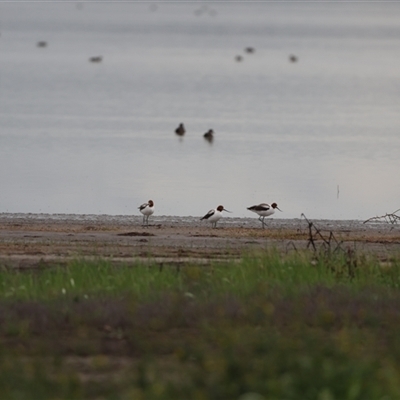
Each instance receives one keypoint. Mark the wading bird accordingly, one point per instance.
(214, 215)
(264, 210)
(147, 209)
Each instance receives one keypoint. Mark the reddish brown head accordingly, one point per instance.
(274, 205)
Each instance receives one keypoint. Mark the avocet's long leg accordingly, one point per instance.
(264, 210)
(147, 209)
(214, 215)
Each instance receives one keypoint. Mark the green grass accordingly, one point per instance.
(292, 273)
(299, 326)
(87, 278)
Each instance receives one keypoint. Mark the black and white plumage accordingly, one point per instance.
(147, 209)
(264, 210)
(214, 215)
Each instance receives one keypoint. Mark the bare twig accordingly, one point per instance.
(325, 245)
(290, 244)
(310, 234)
(314, 234)
(391, 218)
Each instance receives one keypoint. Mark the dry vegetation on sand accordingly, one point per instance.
(105, 310)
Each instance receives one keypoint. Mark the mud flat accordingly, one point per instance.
(35, 240)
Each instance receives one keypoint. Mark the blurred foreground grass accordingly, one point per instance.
(300, 326)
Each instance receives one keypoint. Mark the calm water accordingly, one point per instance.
(320, 136)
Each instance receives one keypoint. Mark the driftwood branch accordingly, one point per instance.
(391, 218)
(325, 245)
(329, 243)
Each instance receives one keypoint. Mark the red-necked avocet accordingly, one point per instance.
(264, 210)
(147, 209)
(214, 215)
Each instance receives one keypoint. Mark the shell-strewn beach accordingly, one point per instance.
(36, 240)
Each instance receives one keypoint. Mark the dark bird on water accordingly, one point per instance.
(96, 59)
(180, 130)
(209, 136)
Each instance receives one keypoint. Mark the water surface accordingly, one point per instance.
(318, 136)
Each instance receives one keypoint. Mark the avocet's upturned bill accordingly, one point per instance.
(214, 215)
(147, 209)
(264, 210)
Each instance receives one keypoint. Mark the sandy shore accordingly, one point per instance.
(34, 240)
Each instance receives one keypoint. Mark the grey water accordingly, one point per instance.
(319, 136)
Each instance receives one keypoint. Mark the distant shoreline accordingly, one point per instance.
(35, 240)
(175, 219)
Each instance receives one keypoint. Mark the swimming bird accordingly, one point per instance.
(96, 59)
(264, 210)
(249, 50)
(209, 136)
(214, 215)
(147, 209)
(180, 130)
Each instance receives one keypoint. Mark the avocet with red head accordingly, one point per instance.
(214, 215)
(147, 209)
(264, 210)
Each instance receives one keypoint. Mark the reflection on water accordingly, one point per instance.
(317, 134)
